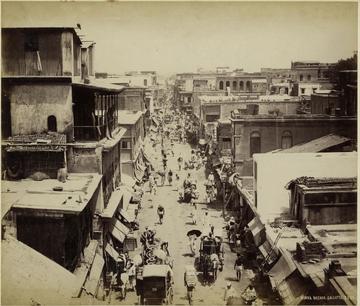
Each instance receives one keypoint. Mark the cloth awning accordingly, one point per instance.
(93, 280)
(257, 229)
(280, 271)
(127, 180)
(118, 229)
(113, 203)
(112, 252)
(269, 252)
(139, 171)
(156, 122)
(127, 215)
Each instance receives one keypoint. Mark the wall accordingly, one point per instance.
(272, 197)
(271, 135)
(287, 108)
(37, 102)
(111, 170)
(85, 160)
(324, 104)
(55, 49)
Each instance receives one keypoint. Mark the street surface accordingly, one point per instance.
(177, 222)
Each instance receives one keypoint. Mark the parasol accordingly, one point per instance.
(137, 260)
(159, 254)
(195, 232)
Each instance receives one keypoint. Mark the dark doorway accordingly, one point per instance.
(52, 125)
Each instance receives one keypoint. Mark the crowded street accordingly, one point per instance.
(177, 222)
(151, 157)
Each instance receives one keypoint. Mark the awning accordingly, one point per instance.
(93, 280)
(113, 203)
(112, 252)
(54, 142)
(128, 215)
(139, 171)
(156, 122)
(258, 231)
(118, 230)
(280, 271)
(127, 180)
(293, 289)
(269, 253)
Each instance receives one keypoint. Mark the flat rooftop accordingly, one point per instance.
(39, 195)
(128, 117)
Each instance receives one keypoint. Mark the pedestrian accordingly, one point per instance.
(132, 276)
(229, 293)
(151, 183)
(180, 161)
(238, 267)
(161, 213)
(192, 244)
(177, 178)
(194, 213)
(206, 222)
(170, 175)
(124, 280)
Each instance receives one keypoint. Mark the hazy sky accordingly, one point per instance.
(183, 36)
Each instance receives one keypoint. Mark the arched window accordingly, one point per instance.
(248, 86)
(255, 143)
(286, 140)
(301, 77)
(221, 85)
(52, 125)
(227, 83)
(234, 85)
(309, 77)
(241, 85)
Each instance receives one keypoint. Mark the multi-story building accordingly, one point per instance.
(309, 76)
(132, 163)
(61, 150)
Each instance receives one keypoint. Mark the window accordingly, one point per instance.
(189, 99)
(221, 85)
(248, 86)
(314, 89)
(212, 118)
(302, 90)
(309, 77)
(227, 83)
(31, 42)
(52, 125)
(234, 85)
(145, 82)
(286, 140)
(226, 143)
(255, 143)
(125, 144)
(301, 77)
(241, 85)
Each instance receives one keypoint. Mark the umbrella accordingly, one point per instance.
(159, 254)
(137, 260)
(202, 141)
(195, 232)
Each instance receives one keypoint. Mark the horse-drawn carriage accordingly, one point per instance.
(155, 285)
(211, 257)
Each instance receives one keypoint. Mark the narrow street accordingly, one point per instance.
(177, 222)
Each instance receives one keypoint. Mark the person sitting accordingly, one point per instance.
(249, 294)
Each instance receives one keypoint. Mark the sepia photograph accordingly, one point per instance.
(179, 153)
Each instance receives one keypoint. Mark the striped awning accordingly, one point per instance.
(92, 282)
(112, 252)
(257, 229)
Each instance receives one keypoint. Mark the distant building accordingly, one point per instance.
(264, 133)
